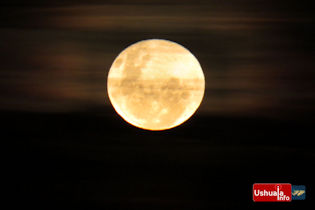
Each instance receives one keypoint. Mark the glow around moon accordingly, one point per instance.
(155, 84)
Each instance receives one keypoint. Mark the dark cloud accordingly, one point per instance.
(257, 57)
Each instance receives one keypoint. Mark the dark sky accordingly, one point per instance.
(258, 57)
(255, 123)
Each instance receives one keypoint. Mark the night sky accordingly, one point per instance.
(71, 150)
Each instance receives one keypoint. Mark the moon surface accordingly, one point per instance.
(155, 84)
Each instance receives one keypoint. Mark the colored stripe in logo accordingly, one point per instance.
(298, 192)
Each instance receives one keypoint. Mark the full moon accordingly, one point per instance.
(155, 84)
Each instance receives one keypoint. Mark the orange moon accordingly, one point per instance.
(155, 84)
